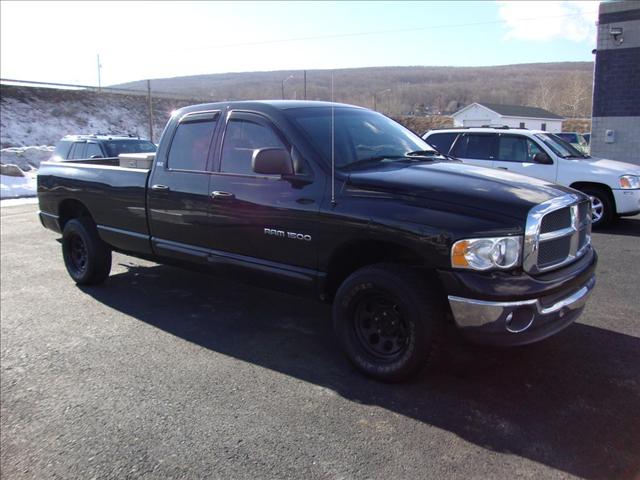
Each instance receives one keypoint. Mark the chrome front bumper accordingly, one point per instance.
(518, 322)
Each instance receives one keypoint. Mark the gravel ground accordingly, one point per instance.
(165, 373)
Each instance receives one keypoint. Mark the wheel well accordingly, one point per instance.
(70, 209)
(600, 186)
(356, 255)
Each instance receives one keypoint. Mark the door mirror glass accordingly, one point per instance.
(542, 158)
(272, 161)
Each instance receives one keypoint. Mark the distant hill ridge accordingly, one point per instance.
(404, 90)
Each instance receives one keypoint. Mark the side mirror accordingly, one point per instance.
(542, 158)
(272, 161)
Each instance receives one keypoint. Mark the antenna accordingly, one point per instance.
(333, 149)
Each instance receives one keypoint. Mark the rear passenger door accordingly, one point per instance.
(178, 201)
(516, 152)
(476, 148)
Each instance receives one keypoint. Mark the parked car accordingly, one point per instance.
(614, 187)
(576, 139)
(395, 235)
(74, 147)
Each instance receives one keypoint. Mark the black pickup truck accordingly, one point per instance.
(344, 204)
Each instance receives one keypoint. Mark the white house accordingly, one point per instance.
(514, 116)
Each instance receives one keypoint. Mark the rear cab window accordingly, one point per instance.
(191, 142)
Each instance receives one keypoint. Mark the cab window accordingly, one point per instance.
(190, 145)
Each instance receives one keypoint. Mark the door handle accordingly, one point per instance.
(160, 188)
(222, 195)
(502, 168)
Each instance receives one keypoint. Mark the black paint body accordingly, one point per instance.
(415, 211)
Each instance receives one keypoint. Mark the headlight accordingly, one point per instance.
(629, 181)
(487, 253)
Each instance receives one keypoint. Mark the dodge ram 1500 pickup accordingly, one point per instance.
(345, 204)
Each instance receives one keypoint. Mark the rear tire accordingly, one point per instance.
(86, 256)
(388, 321)
(603, 211)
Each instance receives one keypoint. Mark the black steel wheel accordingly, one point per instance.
(388, 321)
(86, 256)
(78, 255)
(380, 326)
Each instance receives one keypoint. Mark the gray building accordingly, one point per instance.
(615, 131)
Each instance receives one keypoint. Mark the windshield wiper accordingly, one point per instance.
(369, 160)
(422, 153)
(429, 154)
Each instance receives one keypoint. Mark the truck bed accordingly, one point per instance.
(115, 196)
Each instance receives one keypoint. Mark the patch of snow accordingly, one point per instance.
(16, 187)
(27, 158)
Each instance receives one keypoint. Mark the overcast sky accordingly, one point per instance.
(59, 41)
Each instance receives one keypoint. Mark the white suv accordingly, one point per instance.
(614, 187)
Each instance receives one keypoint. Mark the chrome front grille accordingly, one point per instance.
(556, 220)
(554, 251)
(558, 232)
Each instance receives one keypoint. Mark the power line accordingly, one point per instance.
(375, 32)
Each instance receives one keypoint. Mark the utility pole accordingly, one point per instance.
(99, 67)
(150, 111)
(375, 98)
(283, 82)
(305, 84)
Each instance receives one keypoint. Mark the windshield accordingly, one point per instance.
(361, 136)
(559, 146)
(116, 147)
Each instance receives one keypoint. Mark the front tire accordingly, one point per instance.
(603, 211)
(86, 256)
(388, 321)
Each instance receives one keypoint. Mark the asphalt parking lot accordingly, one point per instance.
(165, 373)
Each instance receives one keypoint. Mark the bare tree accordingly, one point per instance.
(545, 95)
(576, 95)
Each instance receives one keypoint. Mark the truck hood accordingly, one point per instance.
(452, 183)
(606, 166)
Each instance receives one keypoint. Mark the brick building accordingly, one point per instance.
(615, 131)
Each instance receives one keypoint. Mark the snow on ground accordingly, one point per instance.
(16, 187)
(26, 158)
(23, 181)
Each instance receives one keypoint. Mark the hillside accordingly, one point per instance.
(41, 116)
(564, 88)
